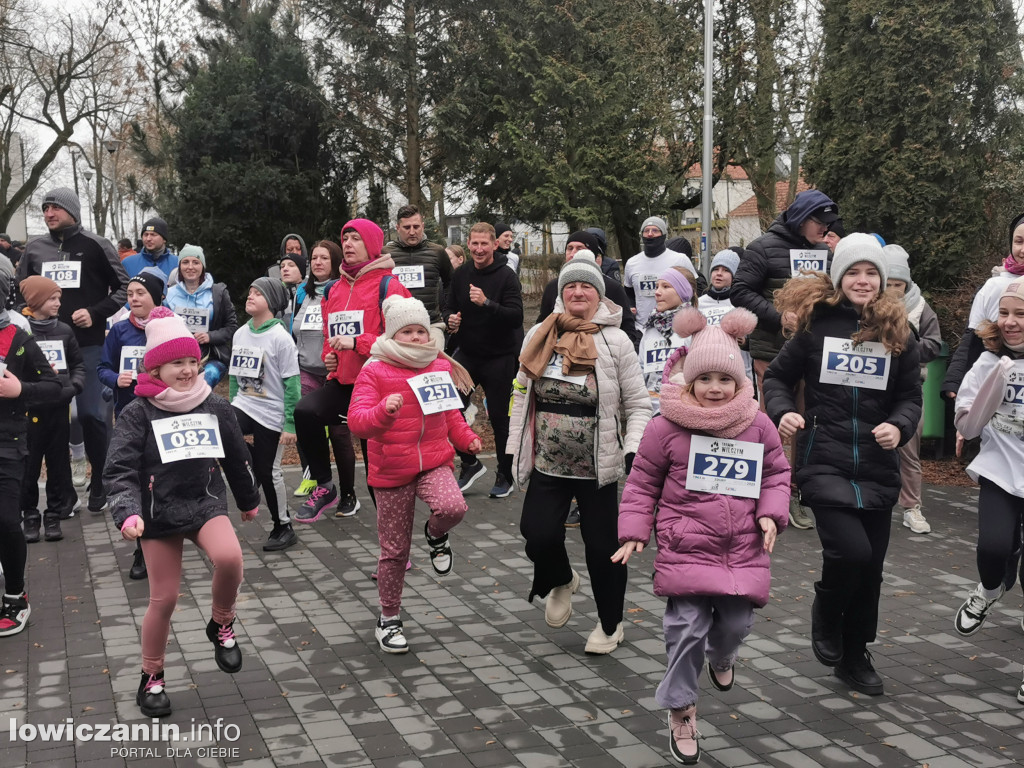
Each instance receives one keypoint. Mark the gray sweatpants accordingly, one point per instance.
(715, 625)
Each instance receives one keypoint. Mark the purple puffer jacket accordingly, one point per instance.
(708, 543)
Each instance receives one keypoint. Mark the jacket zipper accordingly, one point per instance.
(419, 443)
(856, 448)
(209, 479)
(810, 440)
(152, 497)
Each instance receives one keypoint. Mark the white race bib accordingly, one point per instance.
(312, 318)
(345, 323)
(732, 467)
(436, 392)
(1009, 416)
(714, 314)
(66, 274)
(54, 352)
(648, 283)
(554, 371)
(197, 320)
(190, 436)
(246, 362)
(814, 260)
(656, 355)
(854, 365)
(131, 360)
(410, 276)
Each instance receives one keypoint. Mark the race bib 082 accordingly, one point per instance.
(189, 436)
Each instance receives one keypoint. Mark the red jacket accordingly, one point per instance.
(346, 295)
(415, 442)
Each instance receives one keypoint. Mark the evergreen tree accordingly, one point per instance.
(912, 119)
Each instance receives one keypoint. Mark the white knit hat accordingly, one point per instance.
(400, 312)
(854, 248)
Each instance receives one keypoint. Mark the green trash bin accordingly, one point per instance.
(934, 406)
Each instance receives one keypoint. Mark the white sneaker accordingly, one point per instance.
(389, 636)
(558, 606)
(599, 642)
(914, 520)
(78, 471)
(974, 611)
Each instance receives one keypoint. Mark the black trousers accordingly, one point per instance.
(545, 508)
(328, 407)
(495, 375)
(999, 531)
(48, 434)
(12, 538)
(853, 547)
(263, 452)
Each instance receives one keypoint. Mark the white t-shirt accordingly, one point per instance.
(262, 397)
(655, 350)
(642, 273)
(986, 301)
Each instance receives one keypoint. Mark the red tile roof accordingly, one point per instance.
(749, 206)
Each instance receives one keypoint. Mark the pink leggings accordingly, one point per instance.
(163, 561)
(395, 510)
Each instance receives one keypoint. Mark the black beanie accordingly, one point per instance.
(158, 225)
(587, 239)
(300, 262)
(151, 283)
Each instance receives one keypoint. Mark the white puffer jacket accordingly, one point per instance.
(620, 389)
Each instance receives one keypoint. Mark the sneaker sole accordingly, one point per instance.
(867, 690)
(151, 712)
(476, 476)
(393, 650)
(1020, 694)
(297, 519)
(355, 509)
(714, 679)
(916, 530)
(504, 495)
(801, 525)
(20, 628)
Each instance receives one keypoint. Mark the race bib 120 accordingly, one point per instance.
(435, 392)
(54, 353)
(66, 274)
(131, 360)
(190, 436)
(732, 467)
(410, 276)
(345, 323)
(854, 365)
(812, 259)
(245, 362)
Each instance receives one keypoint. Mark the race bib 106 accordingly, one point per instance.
(66, 274)
(197, 320)
(436, 392)
(245, 362)
(190, 436)
(54, 353)
(732, 467)
(811, 259)
(345, 323)
(854, 365)
(410, 276)
(313, 318)
(131, 360)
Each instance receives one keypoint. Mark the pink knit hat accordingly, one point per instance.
(714, 347)
(373, 237)
(167, 339)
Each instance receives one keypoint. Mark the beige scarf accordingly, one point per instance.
(418, 356)
(571, 337)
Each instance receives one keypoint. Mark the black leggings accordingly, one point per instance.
(999, 534)
(12, 539)
(495, 375)
(545, 508)
(263, 451)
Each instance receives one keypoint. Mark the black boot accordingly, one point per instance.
(51, 526)
(31, 526)
(226, 651)
(152, 698)
(826, 628)
(857, 671)
(138, 570)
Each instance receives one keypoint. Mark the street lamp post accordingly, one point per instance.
(709, 122)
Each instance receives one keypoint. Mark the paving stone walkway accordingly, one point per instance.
(487, 683)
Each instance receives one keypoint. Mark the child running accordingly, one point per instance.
(264, 386)
(406, 404)
(165, 485)
(712, 465)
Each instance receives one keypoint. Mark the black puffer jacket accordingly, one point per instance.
(437, 274)
(181, 496)
(612, 289)
(73, 379)
(39, 384)
(838, 461)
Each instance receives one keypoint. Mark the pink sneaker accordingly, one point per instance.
(683, 735)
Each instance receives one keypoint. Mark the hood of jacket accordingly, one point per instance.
(293, 236)
(608, 313)
(803, 205)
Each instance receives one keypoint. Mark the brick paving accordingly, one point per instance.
(487, 683)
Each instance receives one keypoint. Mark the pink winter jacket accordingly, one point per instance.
(407, 443)
(708, 543)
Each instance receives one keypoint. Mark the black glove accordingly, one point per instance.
(629, 462)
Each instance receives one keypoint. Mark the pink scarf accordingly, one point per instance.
(1013, 266)
(727, 421)
(167, 399)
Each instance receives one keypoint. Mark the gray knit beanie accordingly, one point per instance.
(65, 198)
(854, 248)
(655, 221)
(899, 263)
(726, 258)
(581, 268)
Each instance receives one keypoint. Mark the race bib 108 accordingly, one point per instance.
(345, 323)
(66, 274)
(190, 436)
(854, 365)
(435, 392)
(732, 467)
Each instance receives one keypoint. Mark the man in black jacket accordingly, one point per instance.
(486, 313)
(422, 266)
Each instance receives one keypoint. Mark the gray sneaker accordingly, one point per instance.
(799, 515)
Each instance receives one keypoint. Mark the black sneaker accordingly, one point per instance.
(312, 509)
(573, 520)
(857, 672)
(138, 571)
(226, 650)
(68, 512)
(31, 527)
(51, 527)
(97, 501)
(152, 698)
(440, 552)
(390, 637)
(348, 505)
(502, 486)
(282, 537)
(469, 474)
(14, 613)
